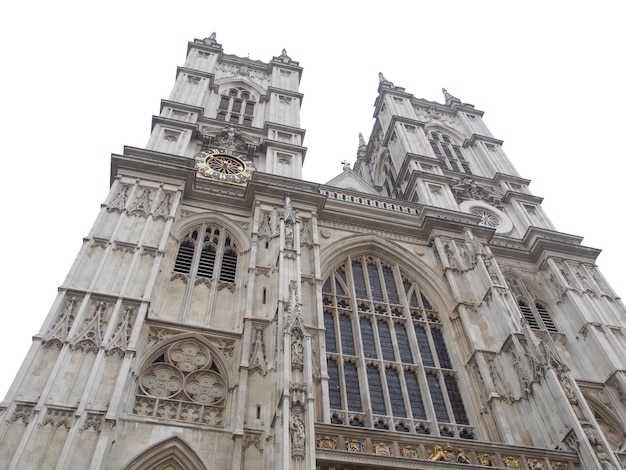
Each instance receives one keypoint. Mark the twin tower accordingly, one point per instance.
(417, 311)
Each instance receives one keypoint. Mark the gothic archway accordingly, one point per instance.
(171, 454)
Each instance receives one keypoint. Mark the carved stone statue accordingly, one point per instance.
(296, 428)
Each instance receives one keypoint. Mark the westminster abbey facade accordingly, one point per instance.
(419, 310)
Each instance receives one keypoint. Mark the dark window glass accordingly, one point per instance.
(437, 398)
(454, 394)
(390, 284)
(247, 121)
(224, 102)
(184, 257)
(329, 324)
(236, 106)
(385, 341)
(436, 149)
(326, 287)
(352, 387)
(415, 395)
(333, 385)
(426, 303)
(359, 280)
(207, 262)
(229, 266)
(545, 317)
(367, 337)
(440, 347)
(249, 108)
(403, 344)
(527, 313)
(375, 286)
(395, 393)
(376, 390)
(347, 341)
(424, 347)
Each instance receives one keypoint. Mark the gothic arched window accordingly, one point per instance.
(448, 152)
(535, 312)
(207, 251)
(387, 359)
(183, 383)
(236, 106)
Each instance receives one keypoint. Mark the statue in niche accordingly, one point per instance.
(296, 428)
(297, 349)
(289, 236)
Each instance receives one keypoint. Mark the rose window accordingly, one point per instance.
(182, 384)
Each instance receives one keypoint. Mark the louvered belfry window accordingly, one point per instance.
(387, 359)
(207, 251)
(446, 150)
(535, 313)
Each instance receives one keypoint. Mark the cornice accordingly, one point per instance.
(483, 138)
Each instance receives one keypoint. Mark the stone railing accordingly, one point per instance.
(370, 202)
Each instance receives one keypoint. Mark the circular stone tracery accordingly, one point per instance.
(205, 387)
(189, 356)
(487, 219)
(161, 380)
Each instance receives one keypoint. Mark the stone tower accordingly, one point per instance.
(417, 311)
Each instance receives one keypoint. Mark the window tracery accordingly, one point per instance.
(207, 251)
(407, 379)
(448, 152)
(236, 106)
(182, 384)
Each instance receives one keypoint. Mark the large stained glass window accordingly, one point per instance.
(388, 363)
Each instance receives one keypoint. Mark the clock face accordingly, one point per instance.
(224, 165)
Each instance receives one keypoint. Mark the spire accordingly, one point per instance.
(448, 97)
(212, 40)
(284, 58)
(361, 140)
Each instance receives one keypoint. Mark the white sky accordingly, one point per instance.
(81, 80)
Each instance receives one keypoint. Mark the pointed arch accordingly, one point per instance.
(429, 280)
(375, 304)
(171, 454)
(183, 379)
(180, 229)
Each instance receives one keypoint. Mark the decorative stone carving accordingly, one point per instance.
(121, 335)
(511, 462)
(252, 440)
(487, 460)
(327, 442)
(58, 332)
(164, 207)
(466, 189)
(142, 204)
(118, 201)
(297, 349)
(22, 413)
(306, 233)
(266, 229)
(296, 428)
(93, 421)
(57, 418)
(182, 384)
(257, 353)
(439, 454)
(90, 334)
